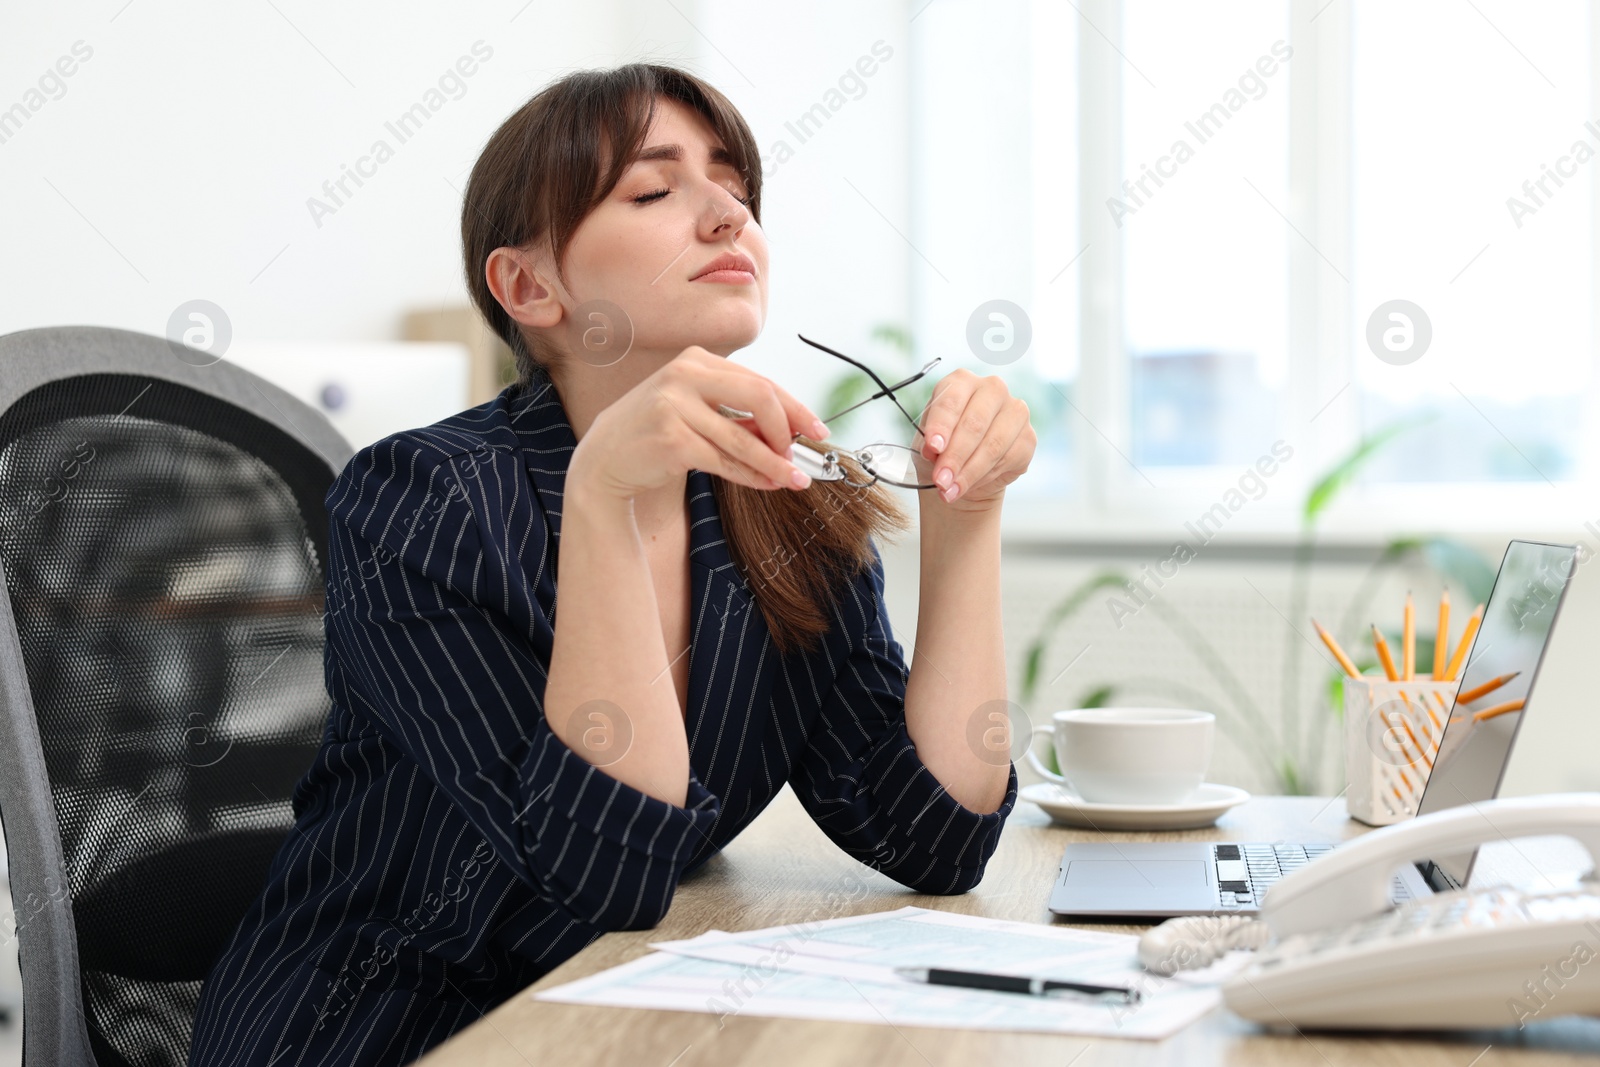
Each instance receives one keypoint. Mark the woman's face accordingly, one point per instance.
(676, 210)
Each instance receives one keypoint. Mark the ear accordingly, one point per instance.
(523, 281)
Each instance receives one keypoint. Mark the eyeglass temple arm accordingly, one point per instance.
(889, 392)
(884, 390)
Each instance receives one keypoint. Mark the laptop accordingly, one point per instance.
(1119, 879)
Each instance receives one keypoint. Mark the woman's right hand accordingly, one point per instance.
(668, 424)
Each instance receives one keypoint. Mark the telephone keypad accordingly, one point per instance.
(1434, 917)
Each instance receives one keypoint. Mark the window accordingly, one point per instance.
(1280, 220)
(1205, 151)
(995, 206)
(1458, 207)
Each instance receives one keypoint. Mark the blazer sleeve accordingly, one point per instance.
(860, 777)
(418, 648)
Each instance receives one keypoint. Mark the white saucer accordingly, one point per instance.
(1202, 809)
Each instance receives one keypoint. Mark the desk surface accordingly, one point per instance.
(782, 869)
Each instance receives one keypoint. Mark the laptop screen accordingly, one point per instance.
(1477, 739)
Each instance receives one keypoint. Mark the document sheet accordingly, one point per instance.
(842, 969)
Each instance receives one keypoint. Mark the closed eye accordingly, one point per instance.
(652, 197)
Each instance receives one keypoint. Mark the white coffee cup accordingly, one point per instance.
(1130, 755)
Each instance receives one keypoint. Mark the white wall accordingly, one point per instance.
(178, 161)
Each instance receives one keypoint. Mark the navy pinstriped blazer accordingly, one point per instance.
(448, 848)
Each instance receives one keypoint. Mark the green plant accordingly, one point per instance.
(1291, 757)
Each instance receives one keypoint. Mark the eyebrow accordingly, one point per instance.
(674, 152)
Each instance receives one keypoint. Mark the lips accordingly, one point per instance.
(731, 261)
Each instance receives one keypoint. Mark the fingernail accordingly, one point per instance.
(944, 477)
(799, 478)
(937, 441)
(950, 493)
(818, 430)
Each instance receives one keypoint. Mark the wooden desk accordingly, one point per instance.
(782, 869)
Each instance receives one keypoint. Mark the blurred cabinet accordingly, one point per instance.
(367, 389)
(448, 361)
(490, 364)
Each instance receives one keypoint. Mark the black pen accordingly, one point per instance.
(1006, 983)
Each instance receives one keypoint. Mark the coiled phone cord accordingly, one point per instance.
(1193, 941)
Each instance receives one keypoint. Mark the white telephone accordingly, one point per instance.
(1335, 953)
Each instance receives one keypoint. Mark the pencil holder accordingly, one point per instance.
(1391, 735)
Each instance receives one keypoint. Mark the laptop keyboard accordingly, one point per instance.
(1245, 872)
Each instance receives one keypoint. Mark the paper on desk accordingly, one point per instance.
(937, 938)
(869, 947)
(840, 969)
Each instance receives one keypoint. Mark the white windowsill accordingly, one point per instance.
(1479, 513)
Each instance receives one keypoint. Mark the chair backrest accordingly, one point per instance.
(163, 540)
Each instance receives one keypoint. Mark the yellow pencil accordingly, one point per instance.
(1498, 709)
(1441, 643)
(1486, 688)
(1460, 654)
(1383, 655)
(1408, 640)
(1338, 653)
(1442, 707)
(1405, 722)
(1421, 752)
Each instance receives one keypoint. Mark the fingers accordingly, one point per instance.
(778, 415)
(939, 418)
(753, 451)
(797, 417)
(734, 452)
(759, 397)
(992, 451)
(963, 429)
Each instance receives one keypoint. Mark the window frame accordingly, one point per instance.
(1321, 406)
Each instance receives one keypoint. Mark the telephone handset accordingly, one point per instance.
(1353, 880)
(1333, 952)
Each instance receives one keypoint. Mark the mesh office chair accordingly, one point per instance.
(162, 544)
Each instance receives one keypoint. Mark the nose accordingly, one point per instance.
(722, 214)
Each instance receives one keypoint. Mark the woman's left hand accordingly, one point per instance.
(978, 439)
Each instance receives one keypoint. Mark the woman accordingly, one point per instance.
(500, 782)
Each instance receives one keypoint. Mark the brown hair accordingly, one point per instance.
(541, 173)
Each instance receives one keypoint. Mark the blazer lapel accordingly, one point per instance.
(731, 658)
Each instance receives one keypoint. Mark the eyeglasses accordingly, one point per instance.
(879, 462)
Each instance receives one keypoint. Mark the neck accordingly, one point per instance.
(587, 390)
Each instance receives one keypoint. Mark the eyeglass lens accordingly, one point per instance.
(892, 463)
